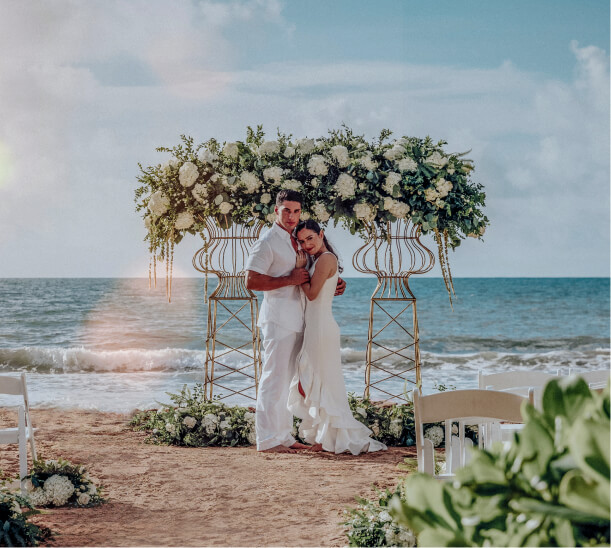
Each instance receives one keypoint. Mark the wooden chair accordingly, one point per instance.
(24, 432)
(595, 379)
(484, 408)
(517, 382)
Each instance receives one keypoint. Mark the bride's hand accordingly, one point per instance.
(302, 259)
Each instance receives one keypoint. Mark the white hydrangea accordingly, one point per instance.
(435, 434)
(210, 422)
(340, 153)
(273, 174)
(206, 156)
(320, 211)
(396, 427)
(384, 516)
(266, 198)
(443, 187)
(148, 222)
(225, 425)
(159, 203)
(270, 217)
(249, 417)
(368, 163)
(439, 203)
(431, 194)
(200, 193)
(83, 499)
(289, 152)
(252, 436)
(345, 186)
(188, 174)
(394, 153)
(364, 212)
(250, 181)
(38, 497)
(225, 207)
(189, 422)
(437, 159)
(305, 146)
(58, 490)
(314, 182)
(396, 208)
(317, 165)
(292, 184)
(171, 164)
(231, 150)
(170, 428)
(407, 164)
(304, 216)
(184, 220)
(269, 147)
(393, 178)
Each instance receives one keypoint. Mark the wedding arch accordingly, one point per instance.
(387, 191)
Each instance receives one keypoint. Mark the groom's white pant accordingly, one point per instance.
(274, 421)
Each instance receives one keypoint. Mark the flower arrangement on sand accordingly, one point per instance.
(61, 483)
(342, 177)
(15, 527)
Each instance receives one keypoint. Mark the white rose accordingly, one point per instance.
(407, 164)
(159, 203)
(317, 165)
(340, 153)
(184, 220)
(269, 147)
(345, 186)
(305, 146)
(188, 174)
(289, 152)
(231, 150)
(200, 194)
(266, 198)
(83, 499)
(206, 157)
(225, 208)
(189, 422)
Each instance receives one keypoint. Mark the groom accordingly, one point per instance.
(271, 268)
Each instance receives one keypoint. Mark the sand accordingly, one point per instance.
(179, 496)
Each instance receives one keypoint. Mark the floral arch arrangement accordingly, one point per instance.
(343, 177)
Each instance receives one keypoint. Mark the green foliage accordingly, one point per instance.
(86, 491)
(15, 528)
(549, 488)
(370, 523)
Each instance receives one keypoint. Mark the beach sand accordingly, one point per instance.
(179, 496)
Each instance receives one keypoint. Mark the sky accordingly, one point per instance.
(88, 89)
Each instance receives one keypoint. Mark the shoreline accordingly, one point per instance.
(182, 496)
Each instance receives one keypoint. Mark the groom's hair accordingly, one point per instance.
(287, 195)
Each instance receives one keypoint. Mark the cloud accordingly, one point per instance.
(91, 88)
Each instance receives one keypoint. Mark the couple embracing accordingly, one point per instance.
(298, 271)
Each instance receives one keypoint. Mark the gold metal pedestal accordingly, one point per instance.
(232, 338)
(393, 255)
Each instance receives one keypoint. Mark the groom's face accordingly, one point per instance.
(288, 214)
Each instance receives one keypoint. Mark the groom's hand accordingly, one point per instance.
(341, 287)
(299, 276)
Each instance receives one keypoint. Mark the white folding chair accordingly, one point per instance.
(595, 379)
(485, 408)
(517, 382)
(24, 432)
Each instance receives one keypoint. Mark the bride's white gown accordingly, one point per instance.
(325, 413)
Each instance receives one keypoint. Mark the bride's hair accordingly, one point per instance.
(310, 224)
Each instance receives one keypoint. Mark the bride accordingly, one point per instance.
(318, 393)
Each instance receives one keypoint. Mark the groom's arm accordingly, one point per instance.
(262, 282)
(341, 287)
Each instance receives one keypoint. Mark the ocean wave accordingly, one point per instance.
(84, 360)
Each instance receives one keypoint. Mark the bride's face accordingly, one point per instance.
(310, 241)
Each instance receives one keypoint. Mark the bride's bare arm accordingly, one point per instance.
(325, 268)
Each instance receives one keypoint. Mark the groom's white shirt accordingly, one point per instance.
(273, 255)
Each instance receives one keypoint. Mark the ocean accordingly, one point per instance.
(115, 345)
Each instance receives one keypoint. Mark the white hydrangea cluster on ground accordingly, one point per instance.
(435, 434)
